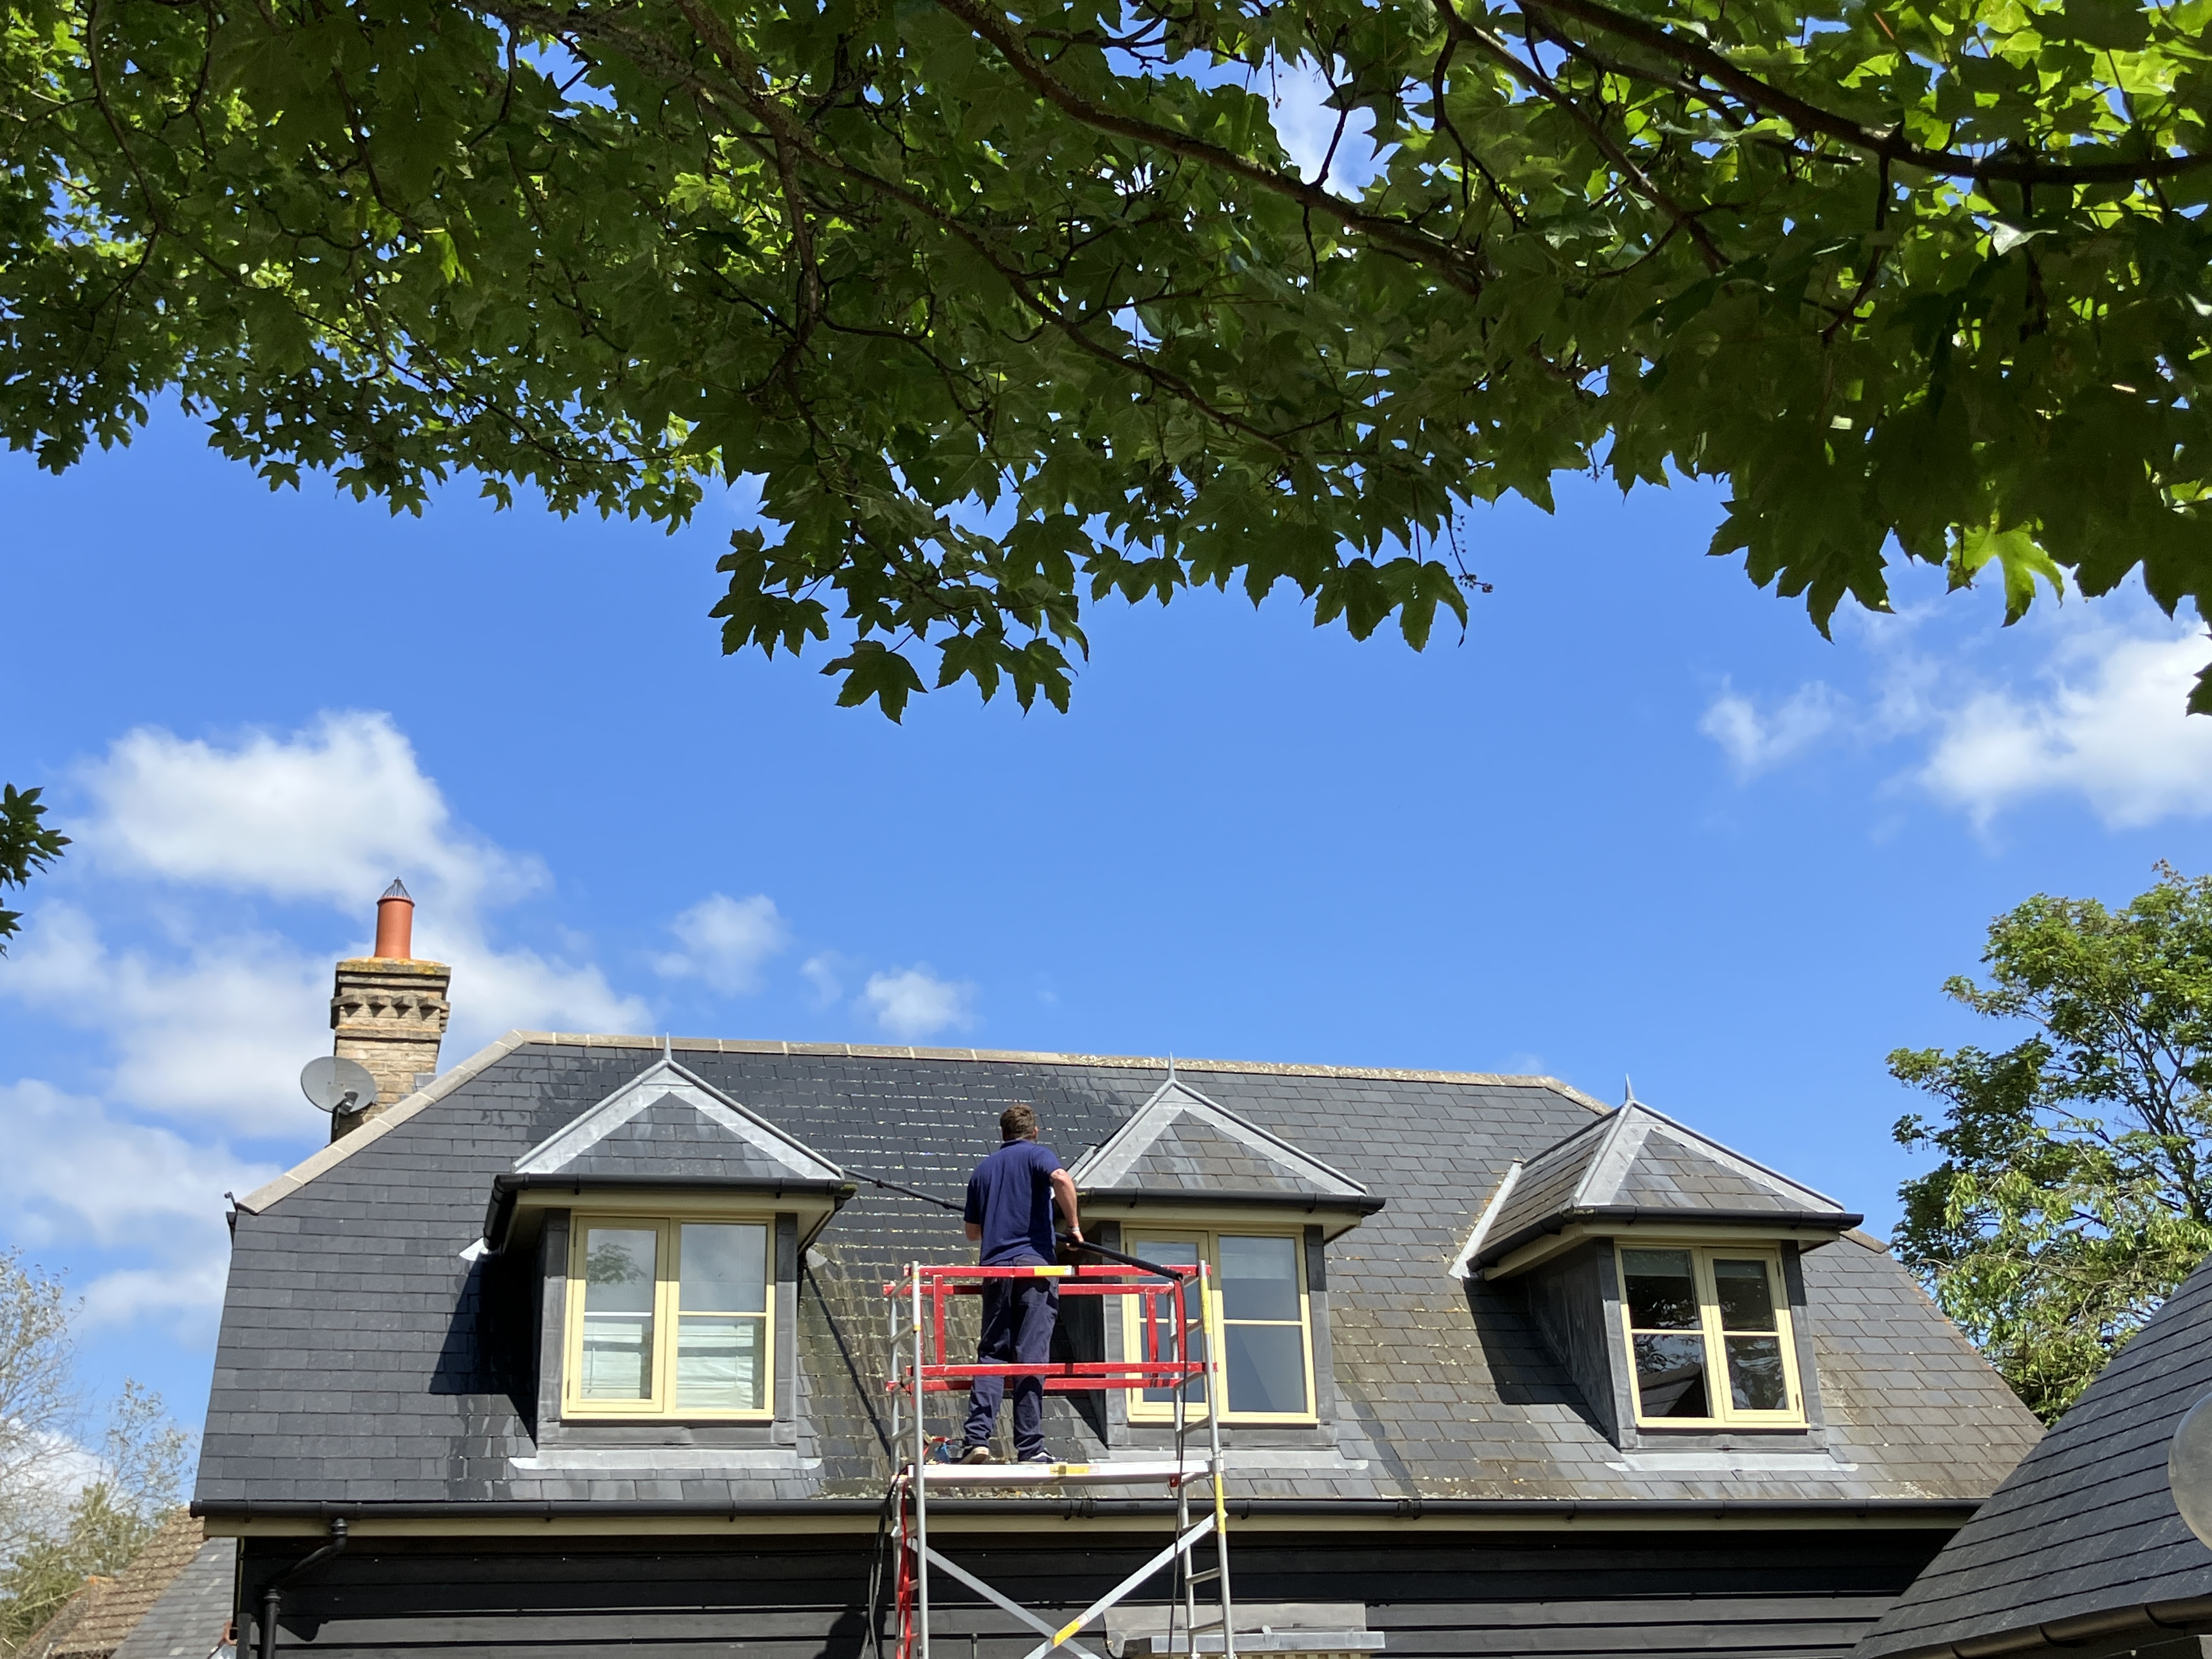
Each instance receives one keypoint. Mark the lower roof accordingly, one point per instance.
(2083, 1540)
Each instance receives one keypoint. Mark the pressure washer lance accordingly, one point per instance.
(1071, 1243)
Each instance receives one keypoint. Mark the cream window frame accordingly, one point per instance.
(1720, 1401)
(1208, 1240)
(660, 1405)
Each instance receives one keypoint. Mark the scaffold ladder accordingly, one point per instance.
(915, 1306)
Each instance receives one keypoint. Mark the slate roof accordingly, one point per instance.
(1182, 1142)
(176, 1589)
(2084, 1533)
(362, 1357)
(1635, 1162)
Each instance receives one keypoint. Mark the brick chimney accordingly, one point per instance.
(390, 1012)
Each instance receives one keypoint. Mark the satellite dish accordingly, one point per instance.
(2189, 1469)
(338, 1085)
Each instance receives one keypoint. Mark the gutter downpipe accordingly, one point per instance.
(272, 1593)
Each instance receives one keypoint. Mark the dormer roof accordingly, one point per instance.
(1635, 1166)
(1181, 1147)
(667, 1128)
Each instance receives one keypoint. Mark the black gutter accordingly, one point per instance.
(499, 1212)
(1371, 1508)
(1832, 1221)
(2185, 1614)
(272, 1593)
(1364, 1204)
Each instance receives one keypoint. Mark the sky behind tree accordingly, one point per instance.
(1642, 821)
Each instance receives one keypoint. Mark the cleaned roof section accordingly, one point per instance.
(368, 1354)
(2086, 1525)
(1637, 1159)
(1179, 1141)
(668, 1124)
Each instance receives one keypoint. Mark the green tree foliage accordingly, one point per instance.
(58, 1528)
(2075, 1189)
(27, 843)
(1009, 310)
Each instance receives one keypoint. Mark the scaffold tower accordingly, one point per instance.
(1173, 1356)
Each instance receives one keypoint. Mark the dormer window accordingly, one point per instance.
(1185, 1180)
(1709, 1329)
(669, 1221)
(1261, 1316)
(1662, 1269)
(669, 1317)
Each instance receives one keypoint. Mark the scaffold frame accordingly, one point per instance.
(921, 1293)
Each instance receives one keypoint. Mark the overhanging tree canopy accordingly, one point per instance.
(1010, 309)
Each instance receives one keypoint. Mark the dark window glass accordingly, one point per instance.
(1747, 1296)
(1755, 1382)
(1662, 1293)
(1266, 1367)
(1670, 1377)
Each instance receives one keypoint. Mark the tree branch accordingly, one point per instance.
(1880, 141)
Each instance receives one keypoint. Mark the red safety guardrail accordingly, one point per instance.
(1149, 1370)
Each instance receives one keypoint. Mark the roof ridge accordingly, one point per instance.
(445, 1082)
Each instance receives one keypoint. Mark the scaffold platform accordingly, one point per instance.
(1175, 1356)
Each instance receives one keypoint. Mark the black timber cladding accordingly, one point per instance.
(363, 1360)
(2085, 1530)
(1771, 1596)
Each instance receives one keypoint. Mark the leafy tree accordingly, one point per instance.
(56, 1527)
(25, 844)
(1009, 310)
(2075, 1190)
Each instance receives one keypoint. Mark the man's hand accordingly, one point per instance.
(1063, 1190)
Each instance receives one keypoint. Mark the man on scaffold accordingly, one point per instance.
(1010, 1204)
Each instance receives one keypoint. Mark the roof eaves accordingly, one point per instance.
(2192, 1613)
(1786, 1221)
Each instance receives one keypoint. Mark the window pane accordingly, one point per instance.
(1670, 1376)
(619, 1264)
(1755, 1382)
(1170, 1252)
(1267, 1367)
(1747, 1296)
(718, 1363)
(1259, 1279)
(1662, 1295)
(724, 1269)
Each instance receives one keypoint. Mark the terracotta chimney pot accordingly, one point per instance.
(395, 924)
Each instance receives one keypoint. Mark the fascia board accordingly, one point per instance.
(1744, 1227)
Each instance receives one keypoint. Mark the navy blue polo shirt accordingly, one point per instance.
(1010, 1197)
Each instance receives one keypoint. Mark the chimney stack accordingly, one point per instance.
(390, 1012)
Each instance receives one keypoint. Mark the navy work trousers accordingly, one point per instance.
(1019, 1315)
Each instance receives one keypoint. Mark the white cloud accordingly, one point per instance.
(219, 1027)
(825, 972)
(726, 942)
(219, 1034)
(1754, 741)
(2111, 727)
(76, 1173)
(913, 1002)
(333, 812)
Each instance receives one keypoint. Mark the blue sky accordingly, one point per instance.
(1642, 820)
